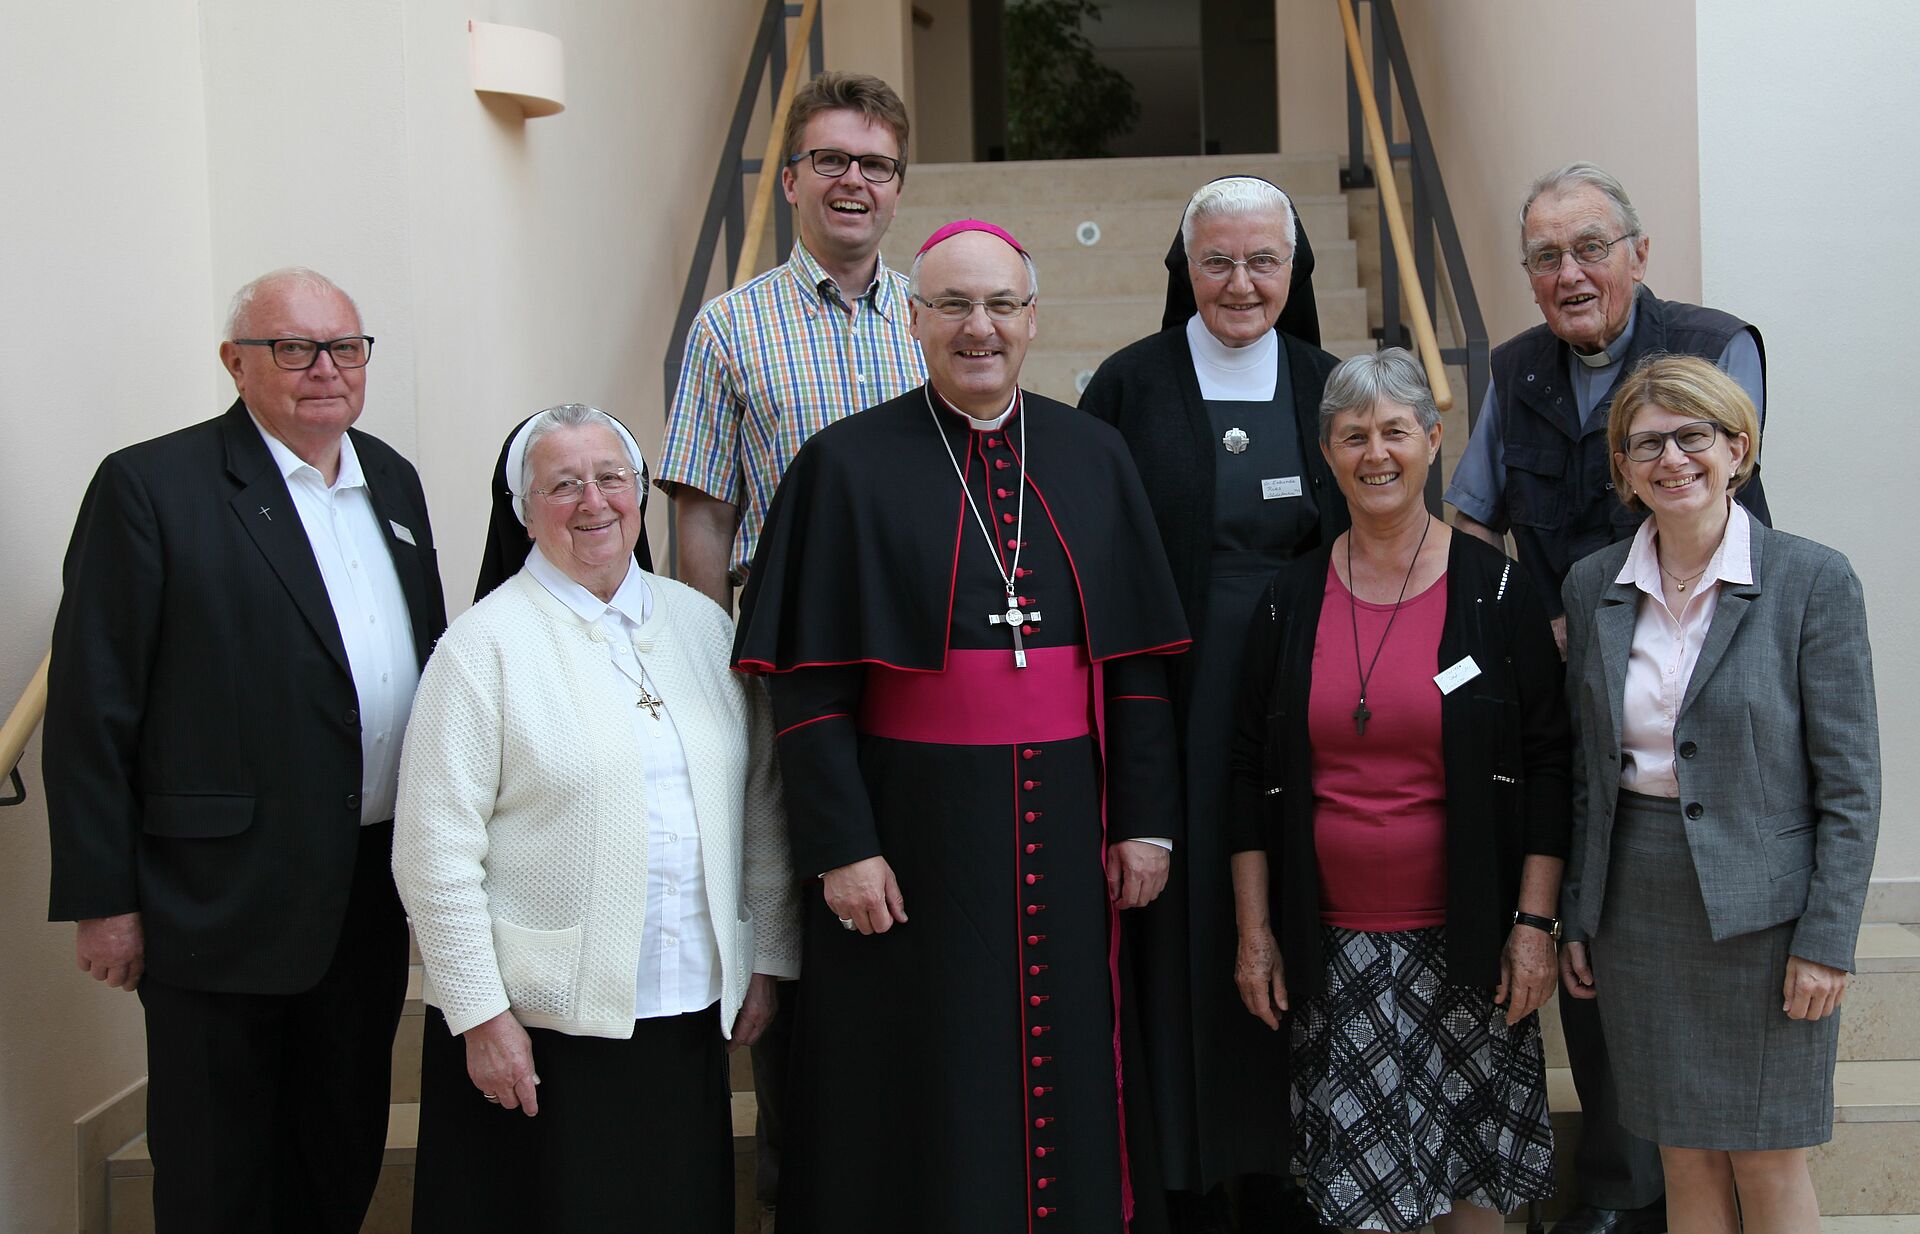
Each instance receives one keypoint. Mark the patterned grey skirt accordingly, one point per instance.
(1411, 1094)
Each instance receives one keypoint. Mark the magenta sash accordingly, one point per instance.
(983, 700)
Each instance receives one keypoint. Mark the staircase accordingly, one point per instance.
(1098, 230)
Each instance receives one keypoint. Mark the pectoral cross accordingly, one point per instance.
(652, 702)
(1013, 619)
(1360, 717)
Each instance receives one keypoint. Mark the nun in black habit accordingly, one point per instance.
(507, 540)
(1221, 412)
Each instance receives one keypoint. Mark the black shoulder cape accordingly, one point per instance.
(856, 561)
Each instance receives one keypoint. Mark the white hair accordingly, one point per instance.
(298, 276)
(1237, 195)
(1578, 176)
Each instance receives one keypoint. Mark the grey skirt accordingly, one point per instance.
(1703, 1056)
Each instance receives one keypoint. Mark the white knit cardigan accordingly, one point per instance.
(520, 840)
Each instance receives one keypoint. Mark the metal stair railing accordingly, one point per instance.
(1432, 221)
(726, 202)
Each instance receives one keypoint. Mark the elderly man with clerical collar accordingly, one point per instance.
(1537, 464)
(1537, 460)
(958, 600)
(248, 604)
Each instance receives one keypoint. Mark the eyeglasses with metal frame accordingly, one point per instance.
(570, 490)
(1218, 266)
(1589, 252)
(298, 354)
(831, 163)
(959, 308)
(1693, 437)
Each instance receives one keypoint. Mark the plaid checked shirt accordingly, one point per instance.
(770, 363)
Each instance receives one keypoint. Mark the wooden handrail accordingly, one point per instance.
(24, 718)
(1424, 338)
(772, 162)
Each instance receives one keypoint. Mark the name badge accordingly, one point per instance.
(1460, 674)
(1280, 486)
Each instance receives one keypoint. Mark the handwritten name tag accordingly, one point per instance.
(1280, 486)
(1460, 674)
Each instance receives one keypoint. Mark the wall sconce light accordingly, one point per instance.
(523, 65)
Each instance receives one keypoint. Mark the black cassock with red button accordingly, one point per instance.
(962, 1071)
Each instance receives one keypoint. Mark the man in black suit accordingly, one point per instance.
(248, 604)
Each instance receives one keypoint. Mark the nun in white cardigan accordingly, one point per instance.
(590, 843)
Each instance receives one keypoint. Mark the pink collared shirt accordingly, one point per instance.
(1666, 646)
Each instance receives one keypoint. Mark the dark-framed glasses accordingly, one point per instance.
(959, 308)
(874, 168)
(570, 490)
(1589, 252)
(350, 351)
(1260, 265)
(1694, 437)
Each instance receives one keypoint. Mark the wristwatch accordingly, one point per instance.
(1550, 924)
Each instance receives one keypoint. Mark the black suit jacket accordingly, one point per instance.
(202, 748)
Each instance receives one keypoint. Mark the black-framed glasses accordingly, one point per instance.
(296, 354)
(959, 308)
(1261, 265)
(1694, 437)
(571, 490)
(1589, 252)
(874, 168)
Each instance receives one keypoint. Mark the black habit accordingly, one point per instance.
(961, 1072)
(1216, 1075)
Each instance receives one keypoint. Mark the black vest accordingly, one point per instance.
(1559, 489)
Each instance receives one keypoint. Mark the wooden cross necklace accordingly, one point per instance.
(1014, 617)
(1360, 713)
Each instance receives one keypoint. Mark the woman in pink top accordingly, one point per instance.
(1726, 803)
(1399, 820)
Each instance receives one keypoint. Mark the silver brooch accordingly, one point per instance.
(1236, 441)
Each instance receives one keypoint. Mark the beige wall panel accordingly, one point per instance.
(1807, 185)
(941, 107)
(107, 335)
(875, 36)
(1311, 57)
(1513, 88)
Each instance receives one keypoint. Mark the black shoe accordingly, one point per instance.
(1586, 1219)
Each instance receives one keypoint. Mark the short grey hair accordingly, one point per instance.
(1390, 375)
(299, 276)
(1237, 195)
(566, 415)
(1582, 176)
(913, 272)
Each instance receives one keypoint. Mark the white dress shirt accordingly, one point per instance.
(679, 953)
(1666, 646)
(376, 626)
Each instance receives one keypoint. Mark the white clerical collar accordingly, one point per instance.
(1615, 351)
(1234, 363)
(980, 426)
(633, 599)
(290, 464)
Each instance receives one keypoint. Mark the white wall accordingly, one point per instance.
(159, 154)
(1807, 185)
(107, 335)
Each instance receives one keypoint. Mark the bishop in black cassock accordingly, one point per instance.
(963, 609)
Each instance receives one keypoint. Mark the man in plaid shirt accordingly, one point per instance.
(777, 359)
(781, 356)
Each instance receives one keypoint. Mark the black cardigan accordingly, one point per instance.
(1507, 756)
(1150, 392)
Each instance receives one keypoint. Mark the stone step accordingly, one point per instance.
(1107, 271)
(1880, 1020)
(1051, 229)
(1172, 180)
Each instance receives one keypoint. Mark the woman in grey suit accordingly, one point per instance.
(1726, 802)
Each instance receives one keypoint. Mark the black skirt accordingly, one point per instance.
(634, 1136)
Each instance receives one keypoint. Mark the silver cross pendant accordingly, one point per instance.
(1014, 618)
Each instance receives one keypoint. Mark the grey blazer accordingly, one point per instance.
(1777, 744)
